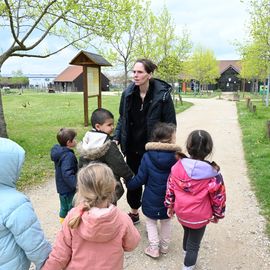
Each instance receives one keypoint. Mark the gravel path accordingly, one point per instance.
(237, 242)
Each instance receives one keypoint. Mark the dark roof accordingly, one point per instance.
(69, 74)
(225, 64)
(87, 58)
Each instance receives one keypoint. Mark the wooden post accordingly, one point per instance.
(99, 94)
(248, 101)
(268, 128)
(85, 96)
(254, 108)
(250, 106)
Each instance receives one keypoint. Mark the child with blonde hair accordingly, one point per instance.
(195, 193)
(95, 232)
(153, 173)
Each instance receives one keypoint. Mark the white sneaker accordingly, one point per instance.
(192, 267)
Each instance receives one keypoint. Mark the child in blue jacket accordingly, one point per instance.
(66, 168)
(22, 240)
(153, 173)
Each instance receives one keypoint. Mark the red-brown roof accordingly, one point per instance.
(69, 74)
(225, 64)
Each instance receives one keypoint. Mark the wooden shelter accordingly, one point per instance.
(91, 64)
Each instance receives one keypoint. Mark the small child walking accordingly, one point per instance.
(195, 193)
(153, 174)
(66, 167)
(98, 146)
(95, 232)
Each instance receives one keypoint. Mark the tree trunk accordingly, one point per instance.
(3, 129)
(126, 75)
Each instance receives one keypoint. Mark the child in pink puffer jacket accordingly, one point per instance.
(95, 232)
(195, 193)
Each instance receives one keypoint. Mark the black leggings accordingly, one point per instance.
(191, 244)
(134, 196)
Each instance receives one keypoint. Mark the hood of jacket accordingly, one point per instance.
(94, 145)
(158, 153)
(98, 226)
(197, 169)
(57, 152)
(11, 159)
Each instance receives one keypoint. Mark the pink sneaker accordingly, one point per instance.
(152, 251)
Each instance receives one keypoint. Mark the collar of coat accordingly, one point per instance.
(161, 89)
(162, 146)
(94, 153)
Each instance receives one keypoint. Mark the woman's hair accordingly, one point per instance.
(199, 144)
(149, 66)
(96, 184)
(162, 132)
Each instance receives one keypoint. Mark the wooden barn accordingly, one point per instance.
(71, 80)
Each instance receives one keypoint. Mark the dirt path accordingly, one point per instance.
(237, 242)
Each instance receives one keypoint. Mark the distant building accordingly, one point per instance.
(71, 80)
(40, 80)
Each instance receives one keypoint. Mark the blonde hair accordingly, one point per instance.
(96, 184)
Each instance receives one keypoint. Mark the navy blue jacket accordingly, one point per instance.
(66, 168)
(153, 173)
(160, 110)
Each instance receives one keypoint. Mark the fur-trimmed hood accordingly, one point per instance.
(162, 155)
(159, 146)
(94, 153)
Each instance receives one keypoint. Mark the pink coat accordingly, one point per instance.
(98, 243)
(196, 192)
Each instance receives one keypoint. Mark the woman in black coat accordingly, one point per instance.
(145, 102)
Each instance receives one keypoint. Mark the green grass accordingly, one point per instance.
(257, 152)
(33, 120)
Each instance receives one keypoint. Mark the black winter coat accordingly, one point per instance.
(160, 110)
(66, 168)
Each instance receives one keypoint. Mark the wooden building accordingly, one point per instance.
(71, 80)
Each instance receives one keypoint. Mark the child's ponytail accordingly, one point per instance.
(75, 221)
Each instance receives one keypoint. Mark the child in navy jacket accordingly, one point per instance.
(66, 167)
(153, 174)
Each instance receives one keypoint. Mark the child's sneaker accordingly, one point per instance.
(134, 217)
(164, 249)
(152, 251)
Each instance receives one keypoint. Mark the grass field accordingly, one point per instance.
(257, 151)
(33, 120)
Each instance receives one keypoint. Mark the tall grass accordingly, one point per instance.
(33, 120)
(257, 151)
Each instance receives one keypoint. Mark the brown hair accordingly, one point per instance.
(149, 66)
(162, 132)
(64, 135)
(199, 144)
(96, 184)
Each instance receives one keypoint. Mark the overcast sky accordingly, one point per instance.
(214, 24)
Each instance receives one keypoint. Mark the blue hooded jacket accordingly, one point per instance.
(153, 173)
(21, 238)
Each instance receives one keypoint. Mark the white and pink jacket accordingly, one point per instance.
(196, 192)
